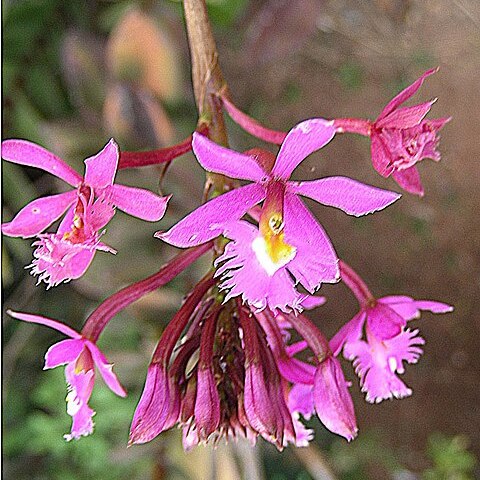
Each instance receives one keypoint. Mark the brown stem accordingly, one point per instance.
(208, 82)
(207, 76)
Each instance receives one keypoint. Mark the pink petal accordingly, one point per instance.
(376, 378)
(405, 94)
(38, 215)
(310, 302)
(153, 407)
(409, 180)
(352, 197)
(350, 332)
(242, 274)
(63, 352)
(300, 399)
(409, 308)
(207, 403)
(258, 404)
(214, 158)
(381, 157)
(27, 317)
(80, 389)
(300, 142)
(315, 260)
(383, 322)
(105, 369)
(98, 214)
(139, 202)
(405, 117)
(402, 305)
(434, 307)
(209, 220)
(23, 152)
(294, 370)
(57, 260)
(100, 169)
(66, 224)
(296, 347)
(333, 403)
(438, 123)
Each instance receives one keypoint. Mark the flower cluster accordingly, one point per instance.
(240, 357)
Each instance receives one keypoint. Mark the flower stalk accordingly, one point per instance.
(98, 320)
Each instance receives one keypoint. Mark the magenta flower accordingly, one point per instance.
(379, 359)
(401, 137)
(288, 237)
(319, 388)
(68, 253)
(224, 370)
(79, 354)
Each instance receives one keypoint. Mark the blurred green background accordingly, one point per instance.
(77, 73)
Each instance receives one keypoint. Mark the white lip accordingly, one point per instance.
(259, 246)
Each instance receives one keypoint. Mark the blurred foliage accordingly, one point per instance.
(450, 457)
(351, 75)
(39, 436)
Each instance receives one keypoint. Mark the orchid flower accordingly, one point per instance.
(319, 388)
(79, 354)
(288, 234)
(379, 359)
(67, 254)
(401, 137)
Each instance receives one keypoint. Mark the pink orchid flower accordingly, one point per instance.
(67, 254)
(288, 233)
(320, 388)
(401, 137)
(379, 359)
(79, 354)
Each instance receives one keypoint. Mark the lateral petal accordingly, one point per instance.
(434, 307)
(351, 332)
(139, 202)
(209, 220)
(405, 117)
(403, 305)
(315, 260)
(105, 369)
(38, 215)
(383, 322)
(352, 197)
(24, 152)
(409, 180)
(381, 157)
(63, 352)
